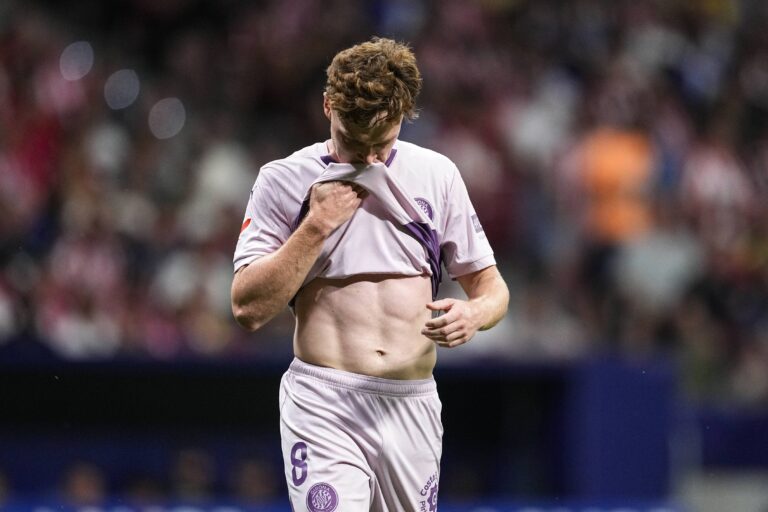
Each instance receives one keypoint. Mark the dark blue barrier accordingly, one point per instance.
(733, 438)
(601, 428)
(592, 430)
(618, 419)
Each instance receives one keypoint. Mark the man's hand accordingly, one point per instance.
(487, 304)
(455, 327)
(332, 203)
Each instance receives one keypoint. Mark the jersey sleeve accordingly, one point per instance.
(265, 226)
(464, 246)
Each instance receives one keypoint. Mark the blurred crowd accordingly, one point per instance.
(193, 476)
(616, 152)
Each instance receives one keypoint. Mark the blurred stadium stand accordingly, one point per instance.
(594, 432)
(617, 153)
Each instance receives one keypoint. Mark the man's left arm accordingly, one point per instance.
(486, 304)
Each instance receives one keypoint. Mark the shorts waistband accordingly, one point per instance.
(364, 383)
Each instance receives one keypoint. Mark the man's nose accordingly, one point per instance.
(370, 156)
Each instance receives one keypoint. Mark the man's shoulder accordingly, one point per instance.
(421, 155)
(304, 162)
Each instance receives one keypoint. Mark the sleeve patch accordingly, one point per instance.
(476, 223)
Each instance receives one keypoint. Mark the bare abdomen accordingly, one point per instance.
(367, 324)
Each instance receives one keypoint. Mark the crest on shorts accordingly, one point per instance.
(322, 497)
(424, 204)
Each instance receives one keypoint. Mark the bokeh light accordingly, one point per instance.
(167, 118)
(121, 89)
(76, 60)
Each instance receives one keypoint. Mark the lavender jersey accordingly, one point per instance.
(371, 242)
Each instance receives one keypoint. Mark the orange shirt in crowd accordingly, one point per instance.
(618, 168)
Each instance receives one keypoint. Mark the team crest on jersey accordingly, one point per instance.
(424, 204)
(322, 497)
(428, 500)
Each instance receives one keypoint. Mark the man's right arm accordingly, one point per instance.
(263, 288)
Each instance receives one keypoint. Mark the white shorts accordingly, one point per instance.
(353, 443)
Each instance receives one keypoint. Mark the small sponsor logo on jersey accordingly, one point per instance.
(476, 223)
(246, 223)
(424, 204)
(428, 501)
(322, 497)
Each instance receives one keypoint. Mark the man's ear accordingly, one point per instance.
(326, 106)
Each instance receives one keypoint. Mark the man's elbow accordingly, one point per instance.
(504, 299)
(246, 318)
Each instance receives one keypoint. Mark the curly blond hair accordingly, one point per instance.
(373, 82)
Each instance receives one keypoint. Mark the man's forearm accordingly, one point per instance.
(493, 306)
(263, 289)
(489, 296)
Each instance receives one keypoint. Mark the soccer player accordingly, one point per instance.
(353, 232)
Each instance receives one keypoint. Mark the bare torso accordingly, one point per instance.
(368, 324)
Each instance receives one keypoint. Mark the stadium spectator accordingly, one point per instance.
(192, 476)
(5, 489)
(83, 484)
(253, 480)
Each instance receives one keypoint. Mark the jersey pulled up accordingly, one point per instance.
(373, 240)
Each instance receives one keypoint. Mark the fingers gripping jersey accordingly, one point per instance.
(374, 240)
(400, 207)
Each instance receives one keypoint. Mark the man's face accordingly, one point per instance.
(369, 146)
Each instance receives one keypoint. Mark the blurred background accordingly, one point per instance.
(616, 152)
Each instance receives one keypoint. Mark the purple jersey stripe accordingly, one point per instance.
(428, 238)
(390, 157)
